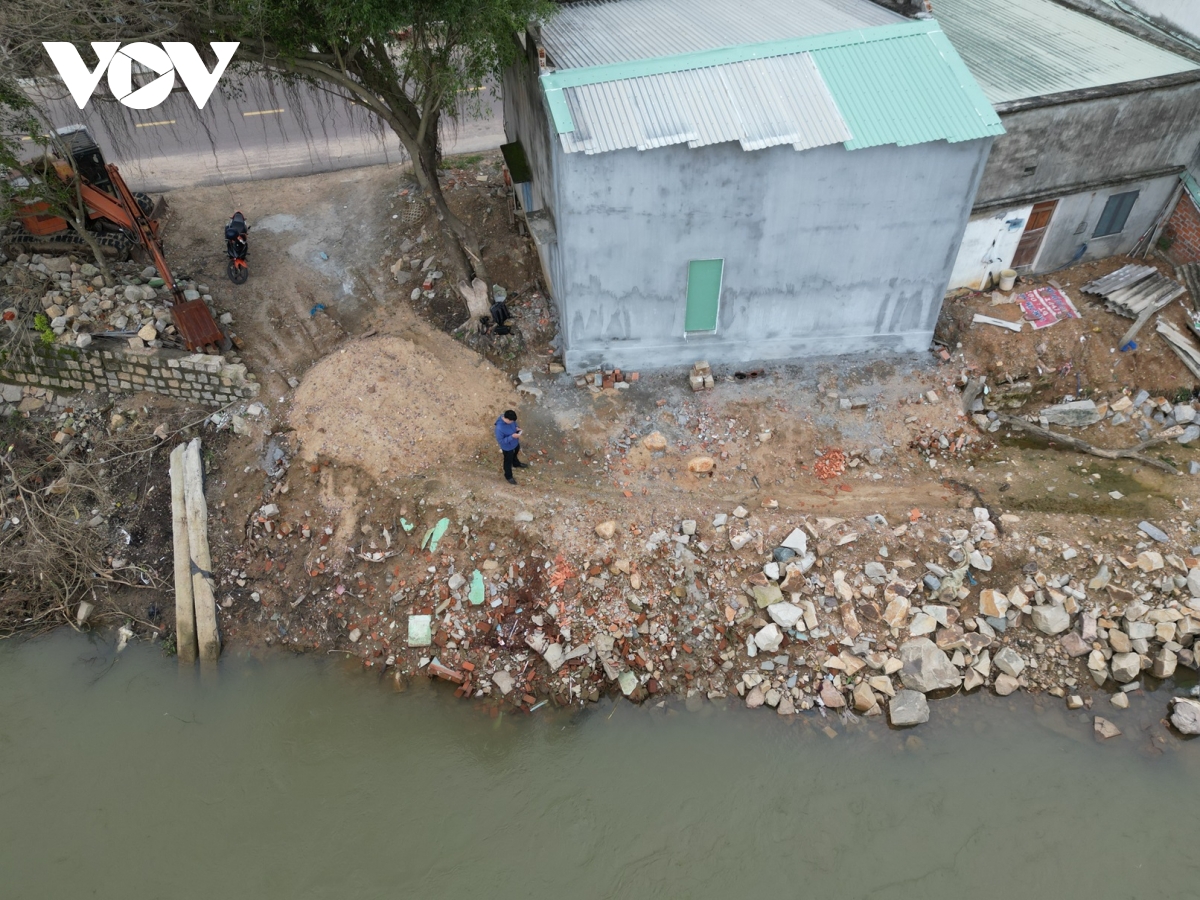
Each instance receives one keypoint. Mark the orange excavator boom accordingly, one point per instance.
(192, 317)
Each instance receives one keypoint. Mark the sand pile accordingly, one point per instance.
(394, 408)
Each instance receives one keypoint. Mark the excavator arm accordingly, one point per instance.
(192, 317)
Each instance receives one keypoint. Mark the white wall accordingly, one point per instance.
(988, 245)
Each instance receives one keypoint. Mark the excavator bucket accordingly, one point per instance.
(160, 210)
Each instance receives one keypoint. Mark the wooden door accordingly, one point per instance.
(1035, 230)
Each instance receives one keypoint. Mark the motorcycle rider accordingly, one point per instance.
(236, 244)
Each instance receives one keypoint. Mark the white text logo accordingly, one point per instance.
(165, 61)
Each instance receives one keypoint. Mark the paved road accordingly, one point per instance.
(267, 131)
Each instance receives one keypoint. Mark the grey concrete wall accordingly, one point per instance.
(1069, 237)
(826, 251)
(1088, 142)
(525, 119)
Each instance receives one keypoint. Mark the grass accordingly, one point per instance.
(462, 162)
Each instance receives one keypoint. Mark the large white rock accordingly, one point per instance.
(784, 614)
(797, 541)
(908, 708)
(1185, 715)
(1051, 619)
(1126, 666)
(768, 638)
(1009, 662)
(925, 668)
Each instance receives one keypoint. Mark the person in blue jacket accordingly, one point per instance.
(508, 436)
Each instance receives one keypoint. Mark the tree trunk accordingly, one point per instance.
(89, 238)
(463, 240)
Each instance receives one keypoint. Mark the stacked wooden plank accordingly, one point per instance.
(1185, 348)
(1189, 274)
(1135, 291)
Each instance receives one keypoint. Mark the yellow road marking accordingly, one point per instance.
(263, 112)
(152, 124)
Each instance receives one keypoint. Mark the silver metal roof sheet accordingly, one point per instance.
(759, 103)
(1018, 49)
(597, 33)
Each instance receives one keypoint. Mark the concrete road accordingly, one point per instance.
(266, 131)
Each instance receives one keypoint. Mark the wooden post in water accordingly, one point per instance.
(185, 610)
(201, 561)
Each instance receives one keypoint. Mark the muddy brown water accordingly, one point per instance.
(297, 777)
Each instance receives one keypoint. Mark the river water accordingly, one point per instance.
(295, 777)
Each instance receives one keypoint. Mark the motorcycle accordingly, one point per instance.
(236, 247)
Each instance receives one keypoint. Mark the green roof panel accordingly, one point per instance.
(904, 92)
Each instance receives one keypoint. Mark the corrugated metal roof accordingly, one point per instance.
(598, 33)
(759, 103)
(1028, 48)
(898, 83)
(906, 91)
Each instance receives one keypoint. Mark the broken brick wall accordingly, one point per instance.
(1183, 230)
(200, 378)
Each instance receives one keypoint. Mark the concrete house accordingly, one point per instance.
(737, 181)
(1100, 125)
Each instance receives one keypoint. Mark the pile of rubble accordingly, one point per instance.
(813, 613)
(602, 379)
(78, 306)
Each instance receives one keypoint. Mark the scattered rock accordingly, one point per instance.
(1154, 532)
(1076, 414)
(1185, 715)
(831, 696)
(606, 530)
(1074, 645)
(1126, 667)
(1106, 729)
(768, 638)
(926, 668)
(1009, 662)
(784, 614)
(1006, 684)
(701, 465)
(654, 442)
(908, 708)
(1051, 619)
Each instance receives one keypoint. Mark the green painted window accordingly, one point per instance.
(1116, 211)
(703, 294)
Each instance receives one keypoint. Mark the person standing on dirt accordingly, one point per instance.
(508, 436)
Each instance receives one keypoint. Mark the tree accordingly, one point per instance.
(31, 153)
(406, 61)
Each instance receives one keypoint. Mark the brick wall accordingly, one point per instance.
(1183, 229)
(203, 379)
